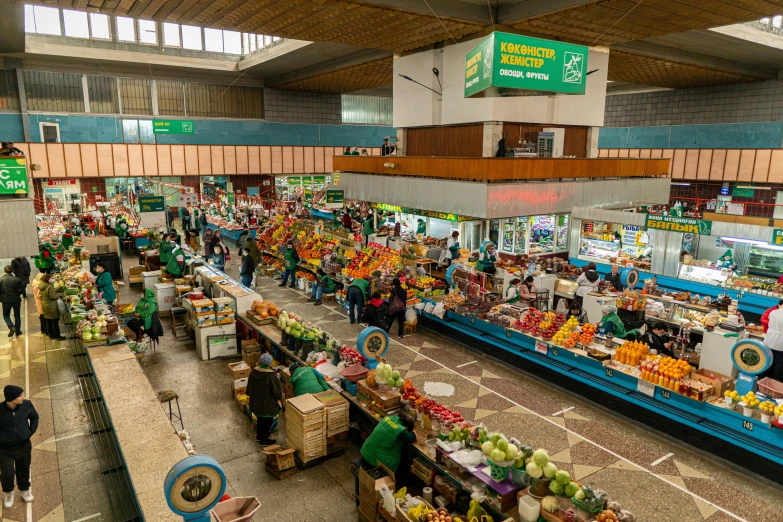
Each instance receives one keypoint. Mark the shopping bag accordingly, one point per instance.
(439, 310)
(410, 316)
(476, 512)
(396, 306)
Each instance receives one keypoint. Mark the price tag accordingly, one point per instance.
(541, 347)
(508, 333)
(645, 387)
(747, 425)
(554, 351)
(472, 320)
(609, 372)
(666, 394)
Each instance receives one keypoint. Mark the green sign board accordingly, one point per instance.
(679, 224)
(231, 198)
(744, 192)
(308, 194)
(777, 236)
(509, 64)
(13, 175)
(335, 196)
(306, 181)
(172, 126)
(152, 203)
(425, 213)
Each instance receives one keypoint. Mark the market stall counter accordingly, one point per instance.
(218, 284)
(232, 232)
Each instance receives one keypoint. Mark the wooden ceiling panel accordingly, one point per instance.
(644, 70)
(369, 75)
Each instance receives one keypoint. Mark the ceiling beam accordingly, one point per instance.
(514, 13)
(329, 66)
(454, 9)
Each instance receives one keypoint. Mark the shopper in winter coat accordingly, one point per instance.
(587, 281)
(266, 394)
(38, 303)
(51, 313)
(244, 237)
(614, 279)
(347, 221)
(169, 217)
(207, 239)
(255, 253)
(18, 423)
(202, 218)
(376, 313)
(21, 267)
(305, 379)
(248, 268)
(11, 292)
(400, 293)
(219, 258)
(765, 317)
(575, 310)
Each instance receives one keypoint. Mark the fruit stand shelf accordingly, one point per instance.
(747, 438)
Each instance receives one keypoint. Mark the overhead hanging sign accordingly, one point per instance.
(678, 224)
(172, 126)
(335, 196)
(505, 64)
(425, 213)
(151, 203)
(777, 236)
(13, 175)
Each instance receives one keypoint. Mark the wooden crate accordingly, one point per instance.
(305, 418)
(279, 458)
(134, 275)
(337, 412)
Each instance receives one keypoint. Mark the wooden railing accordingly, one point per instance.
(76, 160)
(756, 165)
(501, 169)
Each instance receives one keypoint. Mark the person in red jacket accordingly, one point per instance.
(765, 317)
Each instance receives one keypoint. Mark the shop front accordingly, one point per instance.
(60, 195)
(539, 235)
(428, 225)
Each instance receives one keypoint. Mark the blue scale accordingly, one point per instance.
(629, 277)
(751, 358)
(194, 486)
(449, 271)
(372, 343)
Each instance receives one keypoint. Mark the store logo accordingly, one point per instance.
(573, 68)
(187, 126)
(487, 62)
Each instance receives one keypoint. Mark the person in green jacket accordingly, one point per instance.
(367, 229)
(336, 220)
(122, 227)
(164, 250)
(487, 258)
(305, 379)
(325, 286)
(176, 264)
(358, 293)
(104, 283)
(45, 260)
(142, 321)
(513, 291)
(67, 238)
(386, 441)
(291, 258)
(612, 324)
(421, 227)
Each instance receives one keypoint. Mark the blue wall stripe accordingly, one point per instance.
(718, 136)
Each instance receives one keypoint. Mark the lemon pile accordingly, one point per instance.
(569, 326)
(767, 406)
(778, 411)
(735, 396)
(750, 400)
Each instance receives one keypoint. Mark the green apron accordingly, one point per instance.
(515, 299)
(67, 240)
(489, 260)
(290, 263)
(454, 249)
(172, 266)
(382, 446)
(368, 227)
(146, 307)
(106, 285)
(422, 228)
(165, 252)
(619, 327)
(328, 284)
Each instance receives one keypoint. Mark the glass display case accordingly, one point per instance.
(700, 274)
(532, 234)
(765, 261)
(615, 243)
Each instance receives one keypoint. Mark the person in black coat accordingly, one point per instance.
(397, 291)
(614, 279)
(266, 394)
(376, 313)
(21, 267)
(657, 339)
(248, 267)
(18, 422)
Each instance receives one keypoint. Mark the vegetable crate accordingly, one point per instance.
(305, 418)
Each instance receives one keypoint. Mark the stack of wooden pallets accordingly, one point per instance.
(305, 418)
(336, 412)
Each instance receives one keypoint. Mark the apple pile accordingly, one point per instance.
(430, 407)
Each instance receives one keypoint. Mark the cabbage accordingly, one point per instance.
(288, 330)
(579, 495)
(487, 448)
(502, 444)
(571, 489)
(519, 463)
(550, 504)
(511, 452)
(556, 488)
(541, 457)
(563, 477)
(550, 470)
(87, 335)
(497, 456)
(383, 372)
(495, 437)
(534, 470)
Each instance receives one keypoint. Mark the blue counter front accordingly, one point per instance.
(748, 301)
(743, 433)
(322, 214)
(232, 235)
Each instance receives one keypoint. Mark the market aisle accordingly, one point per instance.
(217, 428)
(65, 476)
(597, 446)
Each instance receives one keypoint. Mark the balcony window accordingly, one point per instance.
(148, 32)
(42, 20)
(232, 42)
(171, 34)
(76, 25)
(191, 37)
(126, 32)
(99, 26)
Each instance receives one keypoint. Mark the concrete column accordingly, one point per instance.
(493, 132)
(402, 142)
(154, 95)
(592, 142)
(16, 64)
(86, 91)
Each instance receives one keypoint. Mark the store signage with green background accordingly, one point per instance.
(514, 64)
(425, 213)
(13, 176)
(777, 236)
(678, 224)
(172, 126)
(335, 196)
(151, 203)
(306, 181)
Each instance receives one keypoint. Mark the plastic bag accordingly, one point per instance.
(561, 306)
(410, 315)
(400, 495)
(429, 307)
(419, 306)
(439, 311)
(476, 512)
(468, 458)
(388, 499)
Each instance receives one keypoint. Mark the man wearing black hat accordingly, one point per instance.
(18, 422)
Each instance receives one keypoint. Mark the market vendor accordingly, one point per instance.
(527, 290)
(726, 261)
(612, 324)
(657, 339)
(142, 320)
(575, 310)
(452, 247)
(164, 249)
(176, 263)
(421, 227)
(104, 283)
(122, 227)
(325, 285)
(305, 379)
(67, 238)
(614, 278)
(387, 440)
(45, 260)
(358, 293)
(513, 292)
(336, 218)
(367, 229)
(487, 258)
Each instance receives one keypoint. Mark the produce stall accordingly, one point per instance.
(229, 231)
(217, 284)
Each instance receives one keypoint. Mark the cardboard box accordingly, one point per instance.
(250, 345)
(239, 386)
(224, 304)
(719, 382)
(279, 458)
(251, 358)
(203, 305)
(239, 370)
(368, 488)
(364, 517)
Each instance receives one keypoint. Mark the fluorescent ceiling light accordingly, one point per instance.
(749, 187)
(739, 240)
(682, 184)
